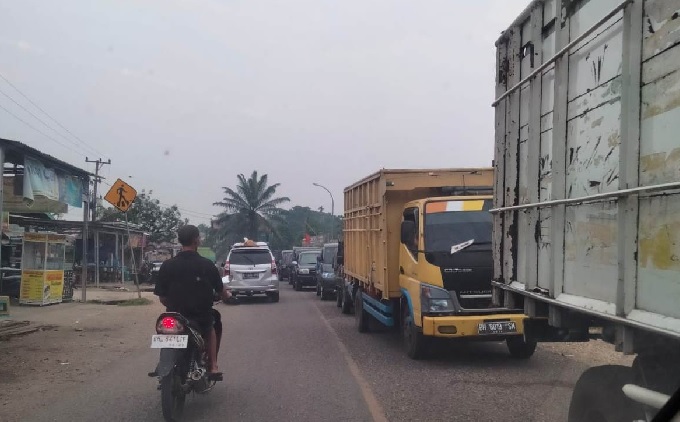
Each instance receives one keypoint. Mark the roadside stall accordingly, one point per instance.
(42, 272)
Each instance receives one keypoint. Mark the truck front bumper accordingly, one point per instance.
(468, 326)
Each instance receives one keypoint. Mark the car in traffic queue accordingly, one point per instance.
(304, 269)
(297, 250)
(325, 271)
(250, 269)
(155, 268)
(285, 264)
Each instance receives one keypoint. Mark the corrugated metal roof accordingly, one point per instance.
(16, 151)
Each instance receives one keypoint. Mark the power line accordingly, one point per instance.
(40, 120)
(38, 130)
(48, 115)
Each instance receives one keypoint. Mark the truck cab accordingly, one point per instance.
(446, 268)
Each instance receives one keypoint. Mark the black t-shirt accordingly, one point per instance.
(189, 283)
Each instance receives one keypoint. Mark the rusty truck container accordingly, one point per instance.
(587, 187)
(372, 218)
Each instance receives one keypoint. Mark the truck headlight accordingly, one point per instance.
(435, 299)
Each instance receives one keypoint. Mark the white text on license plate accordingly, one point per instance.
(169, 341)
(500, 327)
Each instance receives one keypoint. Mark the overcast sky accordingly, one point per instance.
(182, 95)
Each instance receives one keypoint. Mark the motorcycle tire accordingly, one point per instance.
(172, 398)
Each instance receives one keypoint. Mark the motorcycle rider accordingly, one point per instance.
(187, 284)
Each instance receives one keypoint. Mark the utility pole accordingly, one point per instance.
(99, 163)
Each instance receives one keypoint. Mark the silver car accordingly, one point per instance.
(251, 270)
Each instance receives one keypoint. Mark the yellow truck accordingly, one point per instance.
(418, 256)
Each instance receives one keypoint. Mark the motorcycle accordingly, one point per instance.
(183, 363)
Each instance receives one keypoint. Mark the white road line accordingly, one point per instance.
(374, 406)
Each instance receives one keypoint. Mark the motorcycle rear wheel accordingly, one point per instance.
(172, 397)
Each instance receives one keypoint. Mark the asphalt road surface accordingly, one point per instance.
(302, 360)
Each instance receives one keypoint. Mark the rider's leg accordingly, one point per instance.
(212, 350)
(218, 329)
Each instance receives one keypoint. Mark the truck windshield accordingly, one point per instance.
(446, 229)
(329, 254)
(308, 258)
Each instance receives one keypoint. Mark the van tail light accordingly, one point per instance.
(274, 267)
(226, 269)
(169, 325)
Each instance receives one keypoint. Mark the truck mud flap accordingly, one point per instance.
(167, 361)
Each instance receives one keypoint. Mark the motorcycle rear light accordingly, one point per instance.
(169, 325)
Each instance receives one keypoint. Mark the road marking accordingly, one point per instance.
(374, 406)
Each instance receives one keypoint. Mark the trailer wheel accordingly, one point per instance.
(598, 397)
(520, 348)
(361, 317)
(417, 346)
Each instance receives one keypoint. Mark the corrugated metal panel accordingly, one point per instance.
(608, 120)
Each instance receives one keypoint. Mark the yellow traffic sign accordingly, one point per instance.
(121, 195)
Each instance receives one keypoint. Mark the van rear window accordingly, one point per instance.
(250, 257)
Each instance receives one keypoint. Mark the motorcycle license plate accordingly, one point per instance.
(499, 327)
(169, 341)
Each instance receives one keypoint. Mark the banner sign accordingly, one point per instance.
(45, 182)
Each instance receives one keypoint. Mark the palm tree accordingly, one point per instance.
(250, 208)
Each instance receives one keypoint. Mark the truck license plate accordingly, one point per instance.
(499, 327)
(169, 341)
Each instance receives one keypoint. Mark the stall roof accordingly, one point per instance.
(71, 225)
(15, 152)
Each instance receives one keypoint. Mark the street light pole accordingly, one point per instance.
(332, 209)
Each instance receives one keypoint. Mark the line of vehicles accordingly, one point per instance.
(572, 235)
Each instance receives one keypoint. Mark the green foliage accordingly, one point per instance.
(160, 222)
(251, 210)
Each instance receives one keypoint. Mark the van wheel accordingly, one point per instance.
(361, 317)
(597, 396)
(416, 344)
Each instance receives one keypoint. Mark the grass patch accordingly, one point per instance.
(122, 302)
(136, 302)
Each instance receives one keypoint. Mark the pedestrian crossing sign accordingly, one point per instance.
(121, 195)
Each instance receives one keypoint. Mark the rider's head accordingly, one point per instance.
(188, 236)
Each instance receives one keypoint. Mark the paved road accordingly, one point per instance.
(301, 360)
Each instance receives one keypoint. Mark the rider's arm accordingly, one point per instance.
(162, 284)
(217, 284)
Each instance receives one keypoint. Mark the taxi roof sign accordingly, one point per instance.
(121, 195)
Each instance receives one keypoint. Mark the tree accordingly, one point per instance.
(251, 210)
(160, 222)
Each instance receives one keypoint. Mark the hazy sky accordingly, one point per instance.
(182, 95)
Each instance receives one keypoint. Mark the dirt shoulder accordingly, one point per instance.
(79, 341)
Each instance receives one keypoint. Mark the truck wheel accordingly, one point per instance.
(346, 307)
(598, 397)
(361, 317)
(520, 348)
(416, 344)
